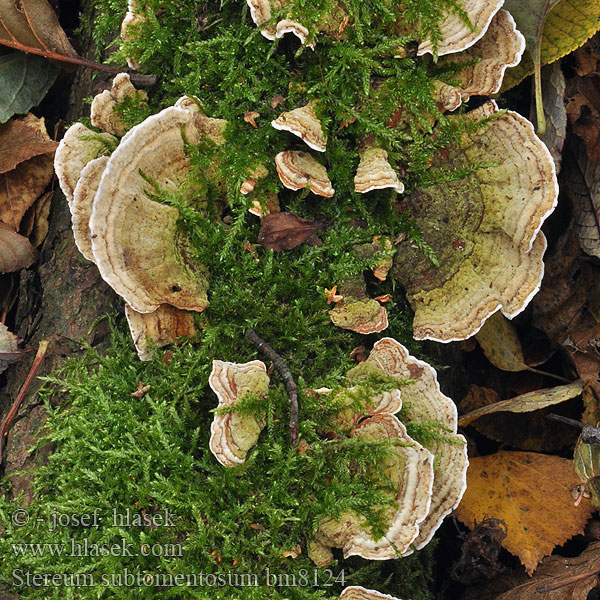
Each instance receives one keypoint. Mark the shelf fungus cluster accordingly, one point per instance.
(485, 62)
(296, 169)
(112, 185)
(429, 481)
(483, 228)
(456, 33)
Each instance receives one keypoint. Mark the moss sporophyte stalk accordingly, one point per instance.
(148, 456)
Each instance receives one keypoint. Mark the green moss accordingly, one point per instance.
(115, 452)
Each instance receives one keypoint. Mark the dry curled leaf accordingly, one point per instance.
(531, 493)
(285, 230)
(33, 23)
(480, 552)
(586, 462)
(582, 97)
(557, 578)
(583, 182)
(15, 250)
(553, 93)
(22, 139)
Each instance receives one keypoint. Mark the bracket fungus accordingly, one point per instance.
(298, 170)
(375, 172)
(409, 469)
(362, 316)
(234, 433)
(484, 229)
(161, 327)
(356, 311)
(304, 123)
(78, 147)
(501, 47)
(425, 403)
(133, 18)
(357, 592)
(260, 11)
(458, 35)
(430, 481)
(103, 112)
(81, 204)
(135, 240)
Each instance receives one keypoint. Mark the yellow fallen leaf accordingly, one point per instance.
(531, 493)
(499, 341)
(528, 402)
(567, 26)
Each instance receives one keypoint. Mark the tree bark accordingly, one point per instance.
(61, 297)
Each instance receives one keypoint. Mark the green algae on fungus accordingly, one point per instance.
(484, 229)
(361, 315)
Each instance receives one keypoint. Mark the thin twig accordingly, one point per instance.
(78, 60)
(589, 433)
(37, 361)
(565, 420)
(286, 375)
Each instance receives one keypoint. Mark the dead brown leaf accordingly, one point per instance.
(583, 97)
(478, 397)
(583, 110)
(582, 179)
(564, 289)
(20, 188)
(22, 139)
(285, 230)
(15, 250)
(33, 23)
(531, 493)
(9, 348)
(480, 552)
(31, 169)
(557, 578)
(40, 224)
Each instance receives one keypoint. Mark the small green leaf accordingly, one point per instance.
(24, 81)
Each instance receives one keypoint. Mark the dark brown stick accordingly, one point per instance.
(589, 433)
(78, 60)
(286, 375)
(37, 361)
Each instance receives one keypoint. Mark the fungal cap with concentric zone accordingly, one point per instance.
(136, 242)
(298, 170)
(160, 328)
(102, 112)
(234, 433)
(304, 123)
(375, 172)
